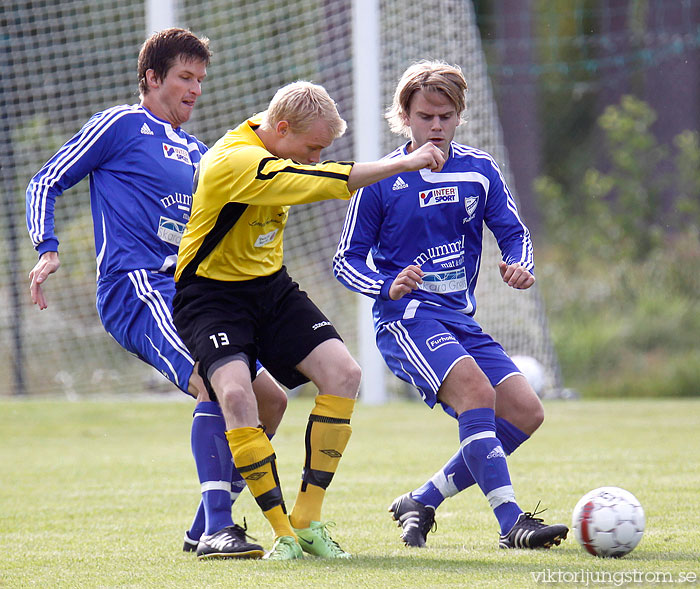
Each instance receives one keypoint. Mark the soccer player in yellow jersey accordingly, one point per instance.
(235, 302)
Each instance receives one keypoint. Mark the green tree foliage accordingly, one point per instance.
(647, 194)
(620, 262)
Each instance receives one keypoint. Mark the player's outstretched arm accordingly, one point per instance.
(366, 173)
(408, 280)
(516, 275)
(48, 263)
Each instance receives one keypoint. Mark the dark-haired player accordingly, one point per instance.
(141, 165)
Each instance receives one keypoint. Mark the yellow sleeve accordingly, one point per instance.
(258, 178)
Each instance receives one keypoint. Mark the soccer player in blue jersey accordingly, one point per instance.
(423, 231)
(141, 166)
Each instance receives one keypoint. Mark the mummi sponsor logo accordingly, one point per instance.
(441, 339)
(184, 201)
(438, 196)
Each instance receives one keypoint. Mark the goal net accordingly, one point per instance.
(66, 60)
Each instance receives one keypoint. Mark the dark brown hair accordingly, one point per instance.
(160, 50)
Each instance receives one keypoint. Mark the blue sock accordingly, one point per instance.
(511, 437)
(455, 475)
(486, 460)
(212, 456)
(446, 482)
(198, 523)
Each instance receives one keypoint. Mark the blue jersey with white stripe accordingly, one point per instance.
(435, 221)
(141, 172)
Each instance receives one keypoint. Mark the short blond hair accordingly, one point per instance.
(300, 104)
(431, 76)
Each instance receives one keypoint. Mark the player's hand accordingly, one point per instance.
(408, 280)
(516, 275)
(48, 263)
(426, 156)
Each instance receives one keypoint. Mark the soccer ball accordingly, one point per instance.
(533, 371)
(608, 522)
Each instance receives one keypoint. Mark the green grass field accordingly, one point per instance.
(94, 494)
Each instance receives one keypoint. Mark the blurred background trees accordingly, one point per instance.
(600, 104)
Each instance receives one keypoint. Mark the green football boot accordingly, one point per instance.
(317, 541)
(285, 548)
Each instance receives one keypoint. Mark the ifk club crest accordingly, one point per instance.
(470, 204)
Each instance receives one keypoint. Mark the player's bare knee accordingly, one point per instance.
(518, 403)
(344, 379)
(466, 396)
(537, 415)
(277, 405)
(231, 392)
(236, 399)
(529, 410)
(481, 396)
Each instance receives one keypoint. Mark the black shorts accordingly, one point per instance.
(268, 319)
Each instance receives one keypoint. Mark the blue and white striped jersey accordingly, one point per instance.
(433, 220)
(141, 172)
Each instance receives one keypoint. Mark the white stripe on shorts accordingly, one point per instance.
(160, 311)
(414, 355)
(173, 372)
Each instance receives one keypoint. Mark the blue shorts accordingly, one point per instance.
(423, 351)
(136, 310)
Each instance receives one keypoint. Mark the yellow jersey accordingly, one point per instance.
(241, 203)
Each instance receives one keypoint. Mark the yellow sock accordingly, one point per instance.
(327, 435)
(254, 458)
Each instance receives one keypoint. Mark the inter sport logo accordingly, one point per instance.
(179, 154)
(439, 196)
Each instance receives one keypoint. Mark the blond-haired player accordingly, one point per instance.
(236, 304)
(424, 230)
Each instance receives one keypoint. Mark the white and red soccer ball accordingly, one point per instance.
(608, 522)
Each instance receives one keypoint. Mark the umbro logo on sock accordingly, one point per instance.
(255, 476)
(332, 453)
(399, 184)
(146, 130)
(497, 452)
